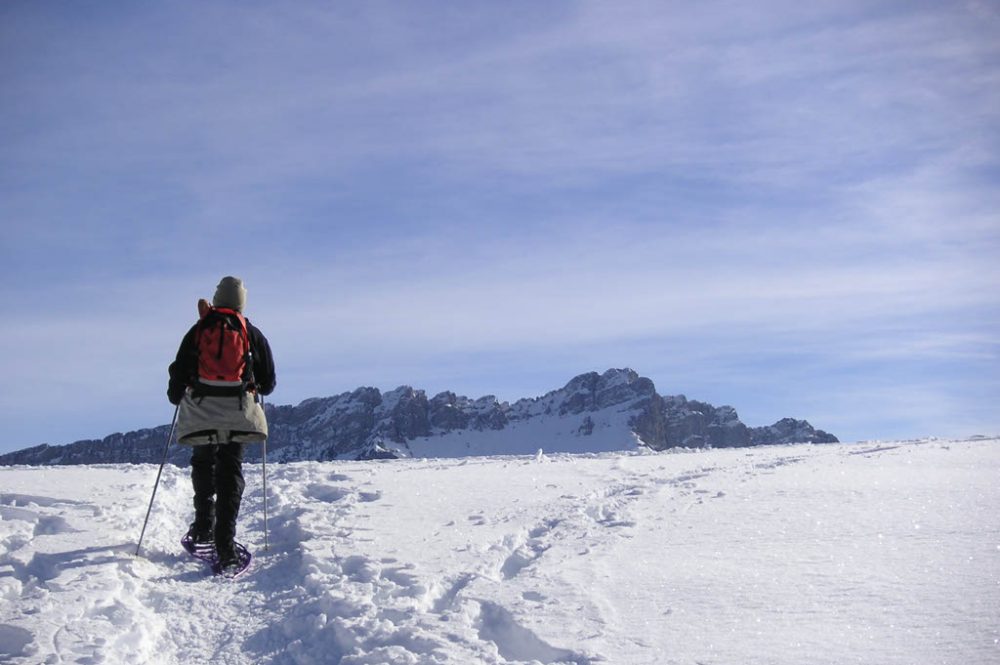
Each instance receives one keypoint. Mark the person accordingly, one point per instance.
(219, 417)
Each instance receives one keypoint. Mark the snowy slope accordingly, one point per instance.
(872, 553)
(598, 431)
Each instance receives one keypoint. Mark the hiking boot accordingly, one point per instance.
(227, 555)
(199, 533)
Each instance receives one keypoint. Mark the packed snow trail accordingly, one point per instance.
(823, 554)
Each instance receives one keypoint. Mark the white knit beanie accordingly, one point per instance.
(230, 293)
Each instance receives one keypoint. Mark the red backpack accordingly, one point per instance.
(223, 347)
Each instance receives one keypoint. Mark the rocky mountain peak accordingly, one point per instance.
(613, 410)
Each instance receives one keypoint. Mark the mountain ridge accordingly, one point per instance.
(614, 410)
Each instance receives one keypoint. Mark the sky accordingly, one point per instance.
(787, 207)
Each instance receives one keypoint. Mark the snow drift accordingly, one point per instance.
(877, 553)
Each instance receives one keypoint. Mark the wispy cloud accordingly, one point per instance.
(430, 188)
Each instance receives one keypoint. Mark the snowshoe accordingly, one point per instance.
(233, 564)
(200, 544)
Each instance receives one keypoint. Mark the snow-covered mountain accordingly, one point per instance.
(777, 555)
(616, 410)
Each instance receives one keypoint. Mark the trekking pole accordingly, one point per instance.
(265, 478)
(166, 447)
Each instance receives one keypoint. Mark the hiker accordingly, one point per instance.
(222, 368)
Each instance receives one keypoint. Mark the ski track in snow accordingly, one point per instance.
(787, 554)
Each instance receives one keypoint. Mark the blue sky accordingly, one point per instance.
(787, 207)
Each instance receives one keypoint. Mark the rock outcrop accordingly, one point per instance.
(594, 412)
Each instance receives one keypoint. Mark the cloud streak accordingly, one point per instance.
(439, 194)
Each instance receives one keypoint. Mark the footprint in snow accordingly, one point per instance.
(369, 497)
(516, 642)
(14, 641)
(325, 493)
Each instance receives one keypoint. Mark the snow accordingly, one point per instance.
(869, 553)
(552, 433)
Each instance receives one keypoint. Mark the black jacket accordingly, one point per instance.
(185, 366)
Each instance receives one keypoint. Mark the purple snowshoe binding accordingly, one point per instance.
(205, 551)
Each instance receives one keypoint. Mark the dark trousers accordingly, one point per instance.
(217, 476)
